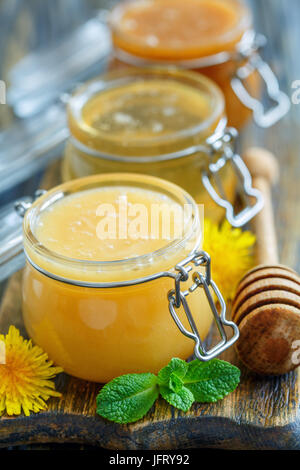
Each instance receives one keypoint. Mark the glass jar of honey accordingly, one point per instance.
(162, 122)
(214, 37)
(115, 279)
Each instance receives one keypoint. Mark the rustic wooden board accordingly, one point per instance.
(261, 414)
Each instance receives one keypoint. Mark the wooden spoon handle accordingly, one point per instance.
(264, 228)
(264, 169)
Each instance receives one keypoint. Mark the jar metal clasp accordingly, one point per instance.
(251, 61)
(11, 235)
(178, 298)
(222, 145)
(22, 205)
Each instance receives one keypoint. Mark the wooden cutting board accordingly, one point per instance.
(263, 413)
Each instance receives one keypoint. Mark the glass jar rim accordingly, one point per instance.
(33, 246)
(222, 43)
(82, 132)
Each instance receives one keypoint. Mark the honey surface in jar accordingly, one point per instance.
(149, 115)
(172, 29)
(91, 226)
(146, 110)
(99, 333)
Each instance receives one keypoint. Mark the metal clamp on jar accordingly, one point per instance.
(251, 62)
(107, 313)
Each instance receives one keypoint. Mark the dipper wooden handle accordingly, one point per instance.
(267, 303)
(265, 171)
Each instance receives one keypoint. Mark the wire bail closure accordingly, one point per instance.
(223, 145)
(177, 297)
(251, 61)
(22, 205)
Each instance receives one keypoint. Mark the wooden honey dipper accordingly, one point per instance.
(266, 307)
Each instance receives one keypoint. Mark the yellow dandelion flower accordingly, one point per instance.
(231, 251)
(25, 376)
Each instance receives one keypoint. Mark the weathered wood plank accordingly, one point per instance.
(262, 413)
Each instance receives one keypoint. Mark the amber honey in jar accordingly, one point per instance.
(115, 280)
(214, 37)
(161, 122)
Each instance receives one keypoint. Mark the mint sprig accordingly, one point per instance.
(129, 397)
(183, 399)
(176, 367)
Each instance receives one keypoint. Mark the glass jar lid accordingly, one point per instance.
(148, 112)
(174, 30)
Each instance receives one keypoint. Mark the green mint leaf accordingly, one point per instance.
(211, 381)
(182, 400)
(176, 367)
(175, 383)
(127, 398)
